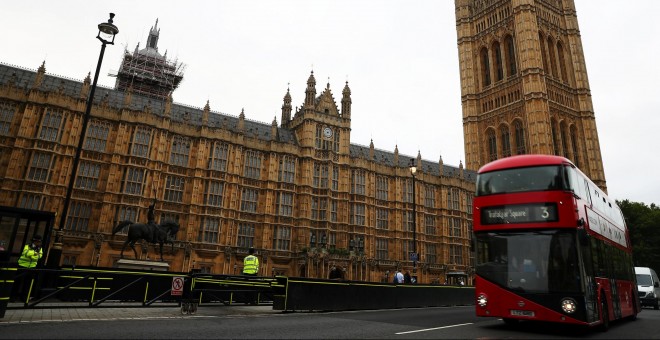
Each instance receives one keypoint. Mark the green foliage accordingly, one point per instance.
(643, 224)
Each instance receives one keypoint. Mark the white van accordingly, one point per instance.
(648, 286)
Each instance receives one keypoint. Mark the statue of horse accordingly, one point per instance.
(152, 233)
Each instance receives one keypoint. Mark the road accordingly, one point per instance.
(414, 323)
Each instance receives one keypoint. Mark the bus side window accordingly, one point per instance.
(587, 191)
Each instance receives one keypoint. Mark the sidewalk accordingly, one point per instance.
(56, 314)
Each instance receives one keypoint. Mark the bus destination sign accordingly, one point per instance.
(520, 213)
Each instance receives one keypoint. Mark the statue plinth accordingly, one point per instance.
(142, 265)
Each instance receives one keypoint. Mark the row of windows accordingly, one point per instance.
(504, 62)
(505, 143)
(134, 181)
(560, 142)
(324, 176)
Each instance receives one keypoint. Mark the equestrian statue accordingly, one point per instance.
(150, 232)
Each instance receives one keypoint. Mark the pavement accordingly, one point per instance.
(15, 313)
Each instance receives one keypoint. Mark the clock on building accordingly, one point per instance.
(327, 132)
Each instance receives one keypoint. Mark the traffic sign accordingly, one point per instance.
(413, 256)
(177, 285)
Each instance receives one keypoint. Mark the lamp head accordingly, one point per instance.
(108, 31)
(413, 168)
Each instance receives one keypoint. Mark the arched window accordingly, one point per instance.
(564, 139)
(510, 55)
(562, 62)
(574, 139)
(520, 138)
(551, 55)
(485, 67)
(506, 141)
(543, 55)
(555, 139)
(498, 61)
(492, 145)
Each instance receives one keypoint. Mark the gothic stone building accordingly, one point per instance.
(524, 83)
(300, 193)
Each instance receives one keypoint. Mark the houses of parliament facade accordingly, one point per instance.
(299, 192)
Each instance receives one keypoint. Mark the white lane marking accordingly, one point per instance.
(433, 329)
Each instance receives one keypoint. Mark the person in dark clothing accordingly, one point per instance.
(406, 278)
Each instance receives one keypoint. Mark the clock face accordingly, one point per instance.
(327, 132)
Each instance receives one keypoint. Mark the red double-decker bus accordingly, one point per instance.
(550, 245)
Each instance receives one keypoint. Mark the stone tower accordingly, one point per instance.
(524, 84)
(147, 72)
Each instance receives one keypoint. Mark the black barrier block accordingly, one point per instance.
(302, 294)
(6, 284)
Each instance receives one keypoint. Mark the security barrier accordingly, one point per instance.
(302, 294)
(228, 289)
(94, 287)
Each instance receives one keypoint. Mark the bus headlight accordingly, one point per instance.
(482, 300)
(568, 305)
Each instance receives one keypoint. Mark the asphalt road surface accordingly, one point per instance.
(413, 323)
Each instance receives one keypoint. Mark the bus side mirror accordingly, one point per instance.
(656, 284)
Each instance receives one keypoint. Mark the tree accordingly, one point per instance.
(643, 223)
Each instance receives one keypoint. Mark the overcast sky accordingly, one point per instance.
(399, 57)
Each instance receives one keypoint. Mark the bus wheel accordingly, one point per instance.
(510, 321)
(604, 314)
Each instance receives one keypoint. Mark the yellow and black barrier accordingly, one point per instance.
(229, 289)
(304, 294)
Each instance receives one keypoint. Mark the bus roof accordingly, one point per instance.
(521, 161)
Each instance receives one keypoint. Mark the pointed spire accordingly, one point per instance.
(152, 41)
(86, 86)
(168, 106)
(273, 129)
(241, 121)
(346, 102)
(371, 149)
(396, 155)
(441, 167)
(460, 169)
(205, 113)
(310, 92)
(128, 96)
(286, 108)
(137, 48)
(419, 160)
(41, 72)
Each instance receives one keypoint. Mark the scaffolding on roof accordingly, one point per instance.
(148, 74)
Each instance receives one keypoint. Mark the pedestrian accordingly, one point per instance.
(250, 264)
(30, 257)
(406, 278)
(398, 277)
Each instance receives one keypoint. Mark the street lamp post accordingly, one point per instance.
(107, 33)
(413, 170)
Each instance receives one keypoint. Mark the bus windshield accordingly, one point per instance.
(535, 261)
(537, 178)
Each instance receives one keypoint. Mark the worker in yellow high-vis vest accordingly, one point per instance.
(31, 254)
(251, 268)
(30, 257)
(250, 264)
